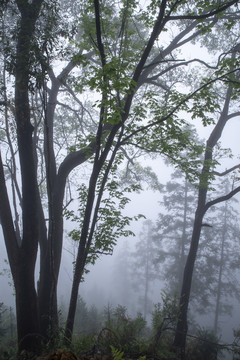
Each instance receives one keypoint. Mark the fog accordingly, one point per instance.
(109, 279)
(102, 285)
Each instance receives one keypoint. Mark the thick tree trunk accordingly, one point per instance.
(49, 270)
(23, 274)
(22, 265)
(26, 307)
(51, 243)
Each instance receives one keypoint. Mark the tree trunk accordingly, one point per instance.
(147, 273)
(50, 260)
(26, 307)
(51, 243)
(219, 284)
(24, 265)
(81, 255)
(181, 329)
(183, 239)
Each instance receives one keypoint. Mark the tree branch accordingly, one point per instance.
(183, 63)
(187, 98)
(176, 43)
(221, 199)
(230, 116)
(204, 16)
(6, 221)
(99, 33)
(226, 171)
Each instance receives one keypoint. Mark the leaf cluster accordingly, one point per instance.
(111, 223)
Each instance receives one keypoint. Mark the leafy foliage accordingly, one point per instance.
(7, 332)
(111, 223)
(122, 331)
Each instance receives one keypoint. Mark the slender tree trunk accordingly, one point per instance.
(89, 221)
(146, 287)
(181, 330)
(147, 273)
(219, 284)
(82, 254)
(183, 240)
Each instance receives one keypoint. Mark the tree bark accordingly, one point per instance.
(24, 264)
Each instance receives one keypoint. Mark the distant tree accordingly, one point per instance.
(217, 264)
(94, 320)
(121, 277)
(173, 230)
(217, 249)
(174, 237)
(143, 264)
(88, 319)
(81, 319)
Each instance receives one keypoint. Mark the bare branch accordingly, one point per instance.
(178, 41)
(183, 63)
(226, 171)
(230, 116)
(221, 199)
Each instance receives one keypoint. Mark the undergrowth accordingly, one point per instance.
(122, 337)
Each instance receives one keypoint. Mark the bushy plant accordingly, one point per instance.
(236, 344)
(204, 346)
(8, 341)
(83, 343)
(164, 318)
(121, 331)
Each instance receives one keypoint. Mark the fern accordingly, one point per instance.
(117, 354)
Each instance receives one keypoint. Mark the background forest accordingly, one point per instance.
(119, 129)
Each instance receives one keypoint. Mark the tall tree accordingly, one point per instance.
(22, 258)
(207, 174)
(172, 238)
(214, 271)
(143, 265)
